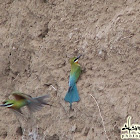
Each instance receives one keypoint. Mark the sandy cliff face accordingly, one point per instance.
(37, 38)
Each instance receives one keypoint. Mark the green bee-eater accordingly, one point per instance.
(21, 99)
(72, 94)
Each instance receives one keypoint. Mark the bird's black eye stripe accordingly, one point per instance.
(75, 59)
(9, 104)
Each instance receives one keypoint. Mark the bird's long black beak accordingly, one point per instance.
(2, 105)
(77, 57)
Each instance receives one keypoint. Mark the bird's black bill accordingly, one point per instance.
(77, 58)
(3, 105)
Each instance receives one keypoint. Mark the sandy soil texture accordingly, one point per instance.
(37, 39)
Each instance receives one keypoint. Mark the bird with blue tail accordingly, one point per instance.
(72, 95)
(22, 99)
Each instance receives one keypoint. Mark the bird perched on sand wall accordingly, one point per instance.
(72, 94)
(22, 99)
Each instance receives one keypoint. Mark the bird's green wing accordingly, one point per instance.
(77, 72)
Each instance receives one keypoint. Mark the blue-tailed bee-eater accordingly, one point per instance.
(72, 94)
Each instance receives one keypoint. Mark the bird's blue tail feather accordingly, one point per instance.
(72, 95)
